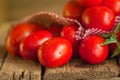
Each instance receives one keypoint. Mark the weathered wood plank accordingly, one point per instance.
(78, 70)
(2, 56)
(17, 68)
(116, 78)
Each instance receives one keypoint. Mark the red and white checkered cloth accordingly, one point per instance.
(94, 31)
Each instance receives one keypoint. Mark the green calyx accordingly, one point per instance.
(112, 38)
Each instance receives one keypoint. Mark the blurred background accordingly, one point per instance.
(17, 9)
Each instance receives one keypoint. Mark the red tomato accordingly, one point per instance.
(55, 29)
(68, 32)
(87, 3)
(98, 17)
(91, 51)
(17, 34)
(28, 47)
(55, 52)
(72, 10)
(114, 5)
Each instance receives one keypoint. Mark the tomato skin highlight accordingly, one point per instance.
(91, 51)
(114, 5)
(55, 52)
(98, 17)
(28, 47)
(17, 34)
(86, 3)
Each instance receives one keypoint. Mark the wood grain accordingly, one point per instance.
(2, 56)
(78, 70)
(17, 68)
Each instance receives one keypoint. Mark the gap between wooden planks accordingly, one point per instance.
(17, 68)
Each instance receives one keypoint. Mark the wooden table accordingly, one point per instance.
(17, 68)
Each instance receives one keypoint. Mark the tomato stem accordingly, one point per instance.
(112, 38)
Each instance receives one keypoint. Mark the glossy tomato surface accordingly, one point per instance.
(68, 32)
(55, 52)
(91, 51)
(86, 3)
(114, 5)
(98, 17)
(72, 10)
(17, 34)
(28, 47)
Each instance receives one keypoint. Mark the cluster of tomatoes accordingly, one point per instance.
(34, 41)
(99, 14)
(93, 13)
(56, 45)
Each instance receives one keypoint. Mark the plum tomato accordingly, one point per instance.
(55, 29)
(86, 3)
(17, 34)
(72, 10)
(98, 17)
(55, 52)
(29, 46)
(114, 5)
(91, 51)
(68, 32)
